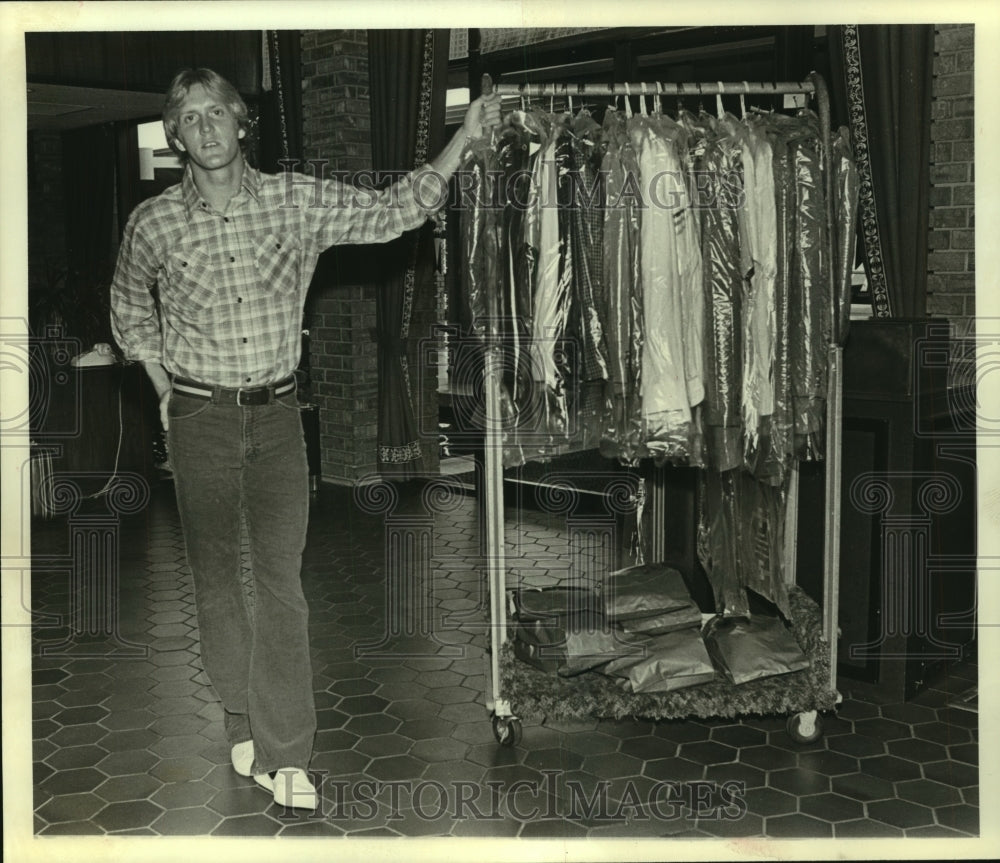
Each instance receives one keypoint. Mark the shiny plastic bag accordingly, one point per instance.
(673, 661)
(748, 650)
(567, 643)
(644, 591)
(555, 603)
(588, 648)
(660, 624)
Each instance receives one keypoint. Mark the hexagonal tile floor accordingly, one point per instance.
(128, 734)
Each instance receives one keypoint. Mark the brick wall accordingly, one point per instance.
(951, 261)
(343, 358)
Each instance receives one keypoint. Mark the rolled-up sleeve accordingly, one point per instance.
(363, 214)
(135, 320)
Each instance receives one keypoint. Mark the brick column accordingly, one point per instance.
(343, 358)
(951, 262)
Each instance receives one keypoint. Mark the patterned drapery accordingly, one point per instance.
(882, 86)
(406, 70)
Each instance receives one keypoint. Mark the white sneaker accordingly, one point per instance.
(291, 788)
(242, 757)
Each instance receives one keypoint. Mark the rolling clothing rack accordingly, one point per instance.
(506, 726)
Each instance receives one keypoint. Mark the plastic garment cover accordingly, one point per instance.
(845, 184)
(623, 304)
(525, 135)
(672, 661)
(672, 293)
(581, 203)
(644, 591)
(518, 261)
(759, 321)
(550, 415)
(741, 536)
(748, 650)
(761, 510)
(480, 238)
(720, 539)
(771, 457)
(720, 190)
(809, 297)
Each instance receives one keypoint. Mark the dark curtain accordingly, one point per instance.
(408, 80)
(881, 88)
(280, 110)
(89, 175)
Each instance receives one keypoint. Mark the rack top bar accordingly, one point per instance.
(656, 88)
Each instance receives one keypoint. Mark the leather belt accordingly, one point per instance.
(242, 396)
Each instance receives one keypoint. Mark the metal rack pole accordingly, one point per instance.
(660, 88)
(495, 558)
(834, 401)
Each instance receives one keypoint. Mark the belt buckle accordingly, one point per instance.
(239, 398)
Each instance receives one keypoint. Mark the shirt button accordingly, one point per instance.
(239, 299)
(249, 379)
(232, 260)
(225, 219)
(245, 340)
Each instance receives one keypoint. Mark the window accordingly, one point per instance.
(154, 152)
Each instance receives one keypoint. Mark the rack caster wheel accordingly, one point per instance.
(507, 730)
(805, 727)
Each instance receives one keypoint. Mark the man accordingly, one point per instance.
(208, 294)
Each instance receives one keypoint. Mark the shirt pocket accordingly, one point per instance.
(277, 260)
(189, 276)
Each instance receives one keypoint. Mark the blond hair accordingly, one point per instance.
(214, 83)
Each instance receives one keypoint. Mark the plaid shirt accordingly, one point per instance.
(218, 297)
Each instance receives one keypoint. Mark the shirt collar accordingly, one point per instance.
(251, 183)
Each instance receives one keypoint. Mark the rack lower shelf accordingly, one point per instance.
(535, 695)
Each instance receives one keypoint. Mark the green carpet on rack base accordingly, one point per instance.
(535, 695)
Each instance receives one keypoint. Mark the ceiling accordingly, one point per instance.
(59, 107)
